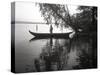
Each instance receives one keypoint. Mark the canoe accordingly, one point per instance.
(60, 35)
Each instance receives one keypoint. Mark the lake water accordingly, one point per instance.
(36, 55)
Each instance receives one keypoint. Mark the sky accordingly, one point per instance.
(29, 12)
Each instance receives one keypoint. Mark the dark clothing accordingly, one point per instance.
(51, 29)
(36, 28)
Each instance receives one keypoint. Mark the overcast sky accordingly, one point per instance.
(29, 12)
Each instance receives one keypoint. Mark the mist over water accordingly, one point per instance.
(51, 54)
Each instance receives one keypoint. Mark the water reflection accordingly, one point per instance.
(65, 54)
(49, 54)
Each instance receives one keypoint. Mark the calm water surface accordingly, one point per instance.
(36, 55)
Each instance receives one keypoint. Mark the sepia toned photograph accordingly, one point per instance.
(53, 37)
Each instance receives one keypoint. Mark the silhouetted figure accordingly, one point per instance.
(36, 27)
(51, 29)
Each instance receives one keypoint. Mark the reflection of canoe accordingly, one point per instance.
(60, 35)
(39, 38)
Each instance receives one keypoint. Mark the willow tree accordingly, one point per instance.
(86, 19)
(57, 14)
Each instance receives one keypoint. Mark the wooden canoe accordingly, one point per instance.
(50, 35)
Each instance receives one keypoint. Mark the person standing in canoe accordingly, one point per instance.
(51, 29)
(36, 28)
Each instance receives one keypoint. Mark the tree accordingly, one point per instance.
(57, 14)
(86, 19)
